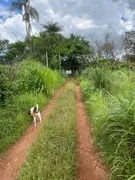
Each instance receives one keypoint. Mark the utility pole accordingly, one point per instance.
(46, 59)
(59, 62)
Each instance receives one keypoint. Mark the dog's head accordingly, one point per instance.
(33, 110)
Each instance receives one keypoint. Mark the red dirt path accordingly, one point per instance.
(89, 165)
(14, 158)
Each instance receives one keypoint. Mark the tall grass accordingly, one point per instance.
(100, 77)
(52, 156)
(112, 114)
(33, 76)
(14, 119)
(23, 85)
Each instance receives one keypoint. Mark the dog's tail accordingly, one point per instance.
(36, 107)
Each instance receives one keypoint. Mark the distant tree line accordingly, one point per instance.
(72, 52)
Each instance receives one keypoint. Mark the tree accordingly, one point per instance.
(128, 43)
(105, 49)
(52, 27)
(29, 11)
(15, 52)
(44, 43)
(76, 53)
(71, 53)
(52, 37)
(108, 47)
(98, 48)
(3, 48)
(128, 46)
(3, 45)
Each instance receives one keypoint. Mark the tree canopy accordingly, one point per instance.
(52, 27)
(73, 52)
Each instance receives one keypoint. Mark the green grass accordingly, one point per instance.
(22, 86)
(45, 80)
(52, 156)
(100, 77)
(112, 114)
(15, 120)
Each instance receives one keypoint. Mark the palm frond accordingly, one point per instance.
(33, 13)
(52, 27)
(17, 5)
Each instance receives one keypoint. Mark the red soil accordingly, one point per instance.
(89, 165)
(14, 158)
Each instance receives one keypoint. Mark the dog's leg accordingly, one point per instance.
(40, 118)
(35, 121)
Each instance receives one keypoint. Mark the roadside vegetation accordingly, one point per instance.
(22, 86)
(52, 156)
(108, 87)
(110, 101)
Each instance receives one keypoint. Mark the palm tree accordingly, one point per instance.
(28, 11)
(52, 27)
(51, 32)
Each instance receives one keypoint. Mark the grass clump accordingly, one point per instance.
(33, 76)
(100, 77)
(52, 156)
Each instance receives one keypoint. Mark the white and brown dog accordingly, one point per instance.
(36, 114)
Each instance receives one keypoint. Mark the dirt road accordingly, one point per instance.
(89, 165)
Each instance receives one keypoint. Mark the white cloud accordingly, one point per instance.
(128, 25)
(85, 18)
(13, 28)
(83, 24)
(130, 15)
(89, 18)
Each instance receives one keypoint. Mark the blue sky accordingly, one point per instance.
(5, 3)
(89, 18)
(5, 7)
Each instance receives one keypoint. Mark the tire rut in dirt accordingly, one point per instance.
(14, 157)
(89, 165)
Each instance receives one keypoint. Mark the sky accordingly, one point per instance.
(90, 18)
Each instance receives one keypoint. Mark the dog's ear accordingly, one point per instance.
(29, 112)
